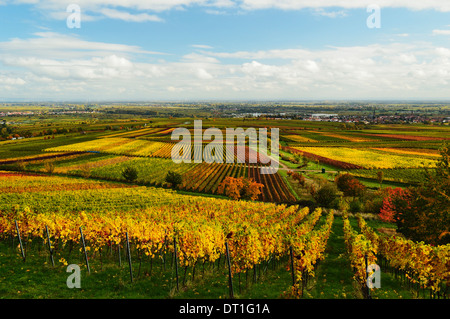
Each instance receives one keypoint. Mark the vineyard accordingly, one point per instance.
(65, 200)
(95, 224)
(366, 158)
(156, 223)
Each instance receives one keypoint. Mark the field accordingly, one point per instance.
(371, 158)
(258, 235)
(68, 199)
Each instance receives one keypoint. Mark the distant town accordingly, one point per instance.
(438, 114)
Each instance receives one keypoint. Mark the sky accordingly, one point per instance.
(185, 50)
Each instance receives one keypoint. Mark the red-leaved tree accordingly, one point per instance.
(394, 203)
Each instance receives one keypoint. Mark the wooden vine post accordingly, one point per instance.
(230, 278)
(20, 241)
(129, 257)
(84, 249)
(50, 246)
(176, 260)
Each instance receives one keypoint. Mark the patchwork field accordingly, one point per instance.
(370, 158)
(283, 244)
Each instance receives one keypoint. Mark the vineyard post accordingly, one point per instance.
(230, 279)
(50, 246)
(163, 255)
(129, 257)
(20, 241)
(176, 260)
(292, 265)
(84, 249)
(118, 253)
(367, 277)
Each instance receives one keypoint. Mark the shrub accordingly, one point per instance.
(373, 206)
(297, 177)
(21, 165)
(174, 179)
(85, 170)
(326, 195)
(355, 206)
(130, 174)
(49, 167)
(349, 185)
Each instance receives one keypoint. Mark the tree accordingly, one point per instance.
(349, 185)
(231, 187)
(21, 165)
(174, 178)
(237, 188)
(86, 170)
(380, 177)
(426, 214)
(251, 189)
(429, 217)
(395, 202)
(130, 174)
(297, 177)
(49, 167)
(326, 195)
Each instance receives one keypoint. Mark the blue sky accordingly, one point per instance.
(224, 49)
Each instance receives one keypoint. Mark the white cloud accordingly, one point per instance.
(144, 11)
(201, 46)
(203, 74)
(125, 16)
(51, 65)
(62, 46)
(4, 80)
(441, 32)
(200, 58)
(356, 4)
(330, 14)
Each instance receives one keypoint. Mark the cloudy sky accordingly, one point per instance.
(136, 50)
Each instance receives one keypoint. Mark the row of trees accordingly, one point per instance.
(8, 132)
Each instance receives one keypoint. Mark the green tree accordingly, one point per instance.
(380, 177)
(326, 195)
(174, 178)
(130, 174)
(49, 167)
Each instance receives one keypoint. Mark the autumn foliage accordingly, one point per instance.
(349, 185)
(237, 188)
(297, 177)
(396, 200)
(422, 213)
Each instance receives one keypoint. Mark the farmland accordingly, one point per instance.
(137, 231)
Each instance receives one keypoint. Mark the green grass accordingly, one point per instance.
(36, 278)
